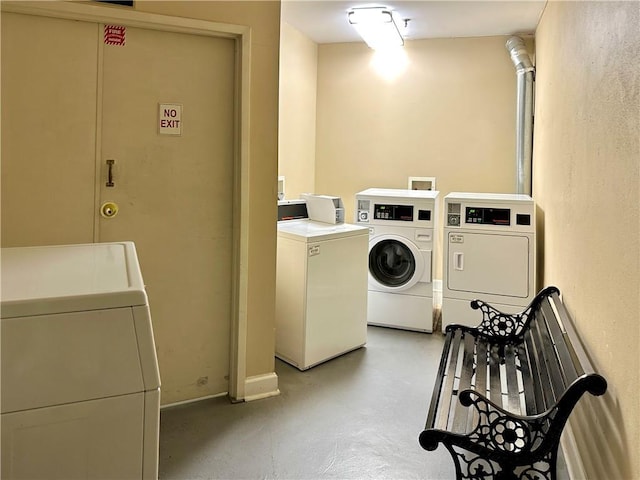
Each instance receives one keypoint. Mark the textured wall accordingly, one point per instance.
(297, 124)
(586, 183)
(449, 114)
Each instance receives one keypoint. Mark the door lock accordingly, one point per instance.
(109, 209)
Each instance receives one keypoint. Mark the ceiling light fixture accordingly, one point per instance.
(377, 26)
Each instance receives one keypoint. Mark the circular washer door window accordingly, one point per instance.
(391, 263)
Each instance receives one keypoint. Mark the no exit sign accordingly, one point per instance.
(170, 119)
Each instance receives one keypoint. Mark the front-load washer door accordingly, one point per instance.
(395, 263)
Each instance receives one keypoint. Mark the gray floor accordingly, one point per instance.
(355, 417)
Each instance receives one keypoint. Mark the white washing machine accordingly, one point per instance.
(401, 240)
(80, 379)
(489, 254)
(321, 291)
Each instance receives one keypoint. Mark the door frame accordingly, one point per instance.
(241, 34)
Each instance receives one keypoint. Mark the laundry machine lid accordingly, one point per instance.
(69, 278)
(497, 198)
(310, 231)
(399, 193)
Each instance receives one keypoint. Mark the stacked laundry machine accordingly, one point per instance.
(402, 225)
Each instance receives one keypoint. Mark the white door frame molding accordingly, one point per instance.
(242, 36)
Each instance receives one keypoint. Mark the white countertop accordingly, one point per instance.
(64, 278)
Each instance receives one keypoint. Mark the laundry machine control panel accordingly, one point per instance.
(505, 212)
(403, 213)
(406, 208)
(488, 216)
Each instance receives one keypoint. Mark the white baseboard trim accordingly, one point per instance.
(255, 388)
(572, 457)
(261, 386)
(193, 400)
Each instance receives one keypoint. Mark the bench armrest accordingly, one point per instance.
(498, 434)
(501, 431)
(470, 397)
(503, 327)
(505, 436)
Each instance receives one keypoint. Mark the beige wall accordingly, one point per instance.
(586, 183)
(264, 19)
(297, 124)
(451, 115)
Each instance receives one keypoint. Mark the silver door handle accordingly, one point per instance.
(110, 164)
(458, 261)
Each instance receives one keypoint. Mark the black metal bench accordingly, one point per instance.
(505, 389)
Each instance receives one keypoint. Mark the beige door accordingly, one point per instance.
(69, 103)
(49, 69)
(174, 194)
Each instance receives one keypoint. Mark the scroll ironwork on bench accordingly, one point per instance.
(505, 389)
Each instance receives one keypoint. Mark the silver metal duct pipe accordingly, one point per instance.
(524, 113)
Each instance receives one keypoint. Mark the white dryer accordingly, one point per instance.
(80, 379)
(489, 254)
(401, 240)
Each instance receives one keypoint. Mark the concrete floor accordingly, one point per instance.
(355, 417)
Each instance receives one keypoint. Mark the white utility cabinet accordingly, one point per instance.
(80, 378)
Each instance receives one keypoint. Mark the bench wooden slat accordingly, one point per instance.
(533, 381)
(461, 417)
(552, 363)
(513, 390)
(447, 392)
(527, 379)
(480, 383)
(547, 398)
(495, 385)
(568, 367)
(437, 390)
(577, 349)
(481, 368)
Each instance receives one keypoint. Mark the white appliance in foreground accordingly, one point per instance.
(401, 239)
(80, 379)
(321, 291)
(489, 254)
